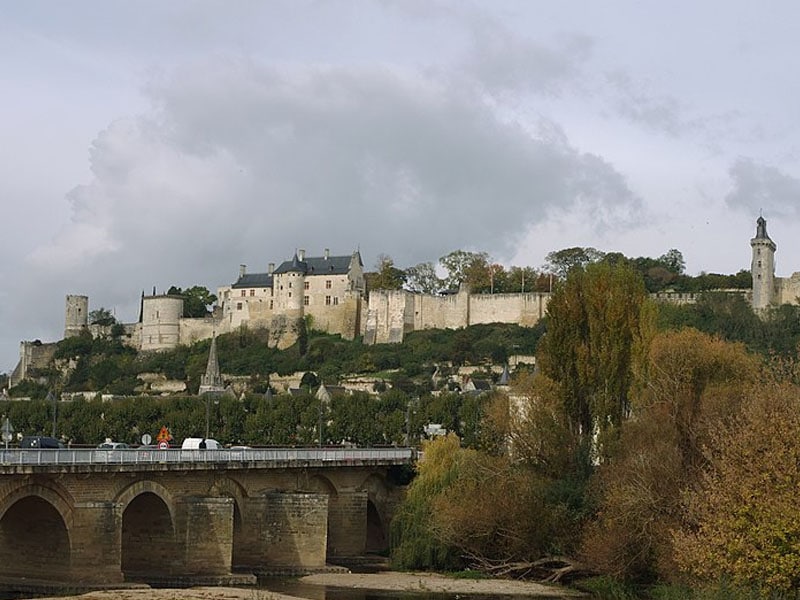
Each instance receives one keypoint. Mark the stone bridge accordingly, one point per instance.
(108, 516)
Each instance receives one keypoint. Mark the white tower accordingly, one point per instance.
(763, 267)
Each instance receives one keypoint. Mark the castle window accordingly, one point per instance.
(327, 284)
(336, 300)
(238, 306)
(290, 294)
(252, 292)
(290, 285)
(327, 300)
(244, 292)
(306, 300)
(759, 264)
(270, 304)
(305, 285)
(157, 315)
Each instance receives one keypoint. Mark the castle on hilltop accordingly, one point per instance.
(329, 293)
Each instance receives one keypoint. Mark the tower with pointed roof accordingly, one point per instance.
(763, 266)
(211, 382)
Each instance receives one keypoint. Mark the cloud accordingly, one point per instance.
(758, 187)
(242, 162)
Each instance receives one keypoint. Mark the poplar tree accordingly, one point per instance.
(598, 323)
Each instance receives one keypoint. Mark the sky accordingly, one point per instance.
(149, 144)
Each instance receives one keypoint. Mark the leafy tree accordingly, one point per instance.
(386, 276)
(597, 323)
(102, 316)
(465, 267)
(673, 261)
(561, 262)
(422, 278)
(196, 300)
(744, 518)
(690, 386)
(414, 543)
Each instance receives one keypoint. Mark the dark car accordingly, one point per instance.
(40, 441)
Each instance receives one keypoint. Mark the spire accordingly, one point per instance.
(761, 229)
(505, 378)
(212, 380)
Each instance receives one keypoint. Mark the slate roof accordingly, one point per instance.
(254, 280)
(316, 265)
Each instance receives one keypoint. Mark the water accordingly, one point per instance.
(293, 587)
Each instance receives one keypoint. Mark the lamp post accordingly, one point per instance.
(208, 413)
(54, 399)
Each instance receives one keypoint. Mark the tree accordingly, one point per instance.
(102, 316)
(422, 278)
(196, 300)
(561, 262)
(744, 519)
(598, 321)
(465, 267)
(673, 260)
(386, 276)
(413, 539)
(690, 385)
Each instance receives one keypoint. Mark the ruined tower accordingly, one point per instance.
(76, 315)
(763, 266)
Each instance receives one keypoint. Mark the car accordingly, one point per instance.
(40, 441)
(109, 445)
(200, 444)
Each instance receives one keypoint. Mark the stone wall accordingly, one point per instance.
(393, 313)
(101, 523)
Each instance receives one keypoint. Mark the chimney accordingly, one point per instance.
(327, 253)
(270, 268)
(301, 255)
(242, 270)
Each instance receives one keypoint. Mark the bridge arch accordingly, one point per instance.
(34, 533)
(149, 537)
(378, 510)
(231, 488)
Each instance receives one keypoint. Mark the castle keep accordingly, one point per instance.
(329, 294)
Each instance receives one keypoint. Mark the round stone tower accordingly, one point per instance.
(76, 315)
(763, 266)
(161, 322)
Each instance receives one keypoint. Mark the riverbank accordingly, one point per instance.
(388, 581)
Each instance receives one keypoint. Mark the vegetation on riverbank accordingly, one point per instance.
(658, 455)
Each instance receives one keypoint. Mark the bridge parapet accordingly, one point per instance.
(77, 460)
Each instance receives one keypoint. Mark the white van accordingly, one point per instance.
(200, 444)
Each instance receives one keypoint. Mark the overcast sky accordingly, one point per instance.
(154, 143)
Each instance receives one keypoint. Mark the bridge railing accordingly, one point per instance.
(68, 456)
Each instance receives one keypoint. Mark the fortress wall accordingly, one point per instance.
(524, 309)
(386, 317)
(193, 330)
(342, 319)
(257, 311)
(32, 355)
(441, 312)
(787, 289)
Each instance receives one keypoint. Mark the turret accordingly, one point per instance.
(763, 266)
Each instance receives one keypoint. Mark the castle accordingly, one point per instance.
(329, 293)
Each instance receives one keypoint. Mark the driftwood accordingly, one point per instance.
(551, 569)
